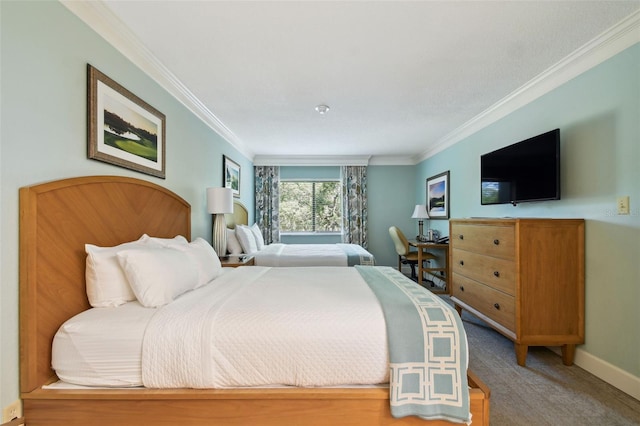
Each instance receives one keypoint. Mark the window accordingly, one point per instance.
(310, 206)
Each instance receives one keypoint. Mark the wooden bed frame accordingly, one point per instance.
(56, 220)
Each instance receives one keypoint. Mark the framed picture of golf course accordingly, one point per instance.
(438, 196)
(231, 175)
(122, 128)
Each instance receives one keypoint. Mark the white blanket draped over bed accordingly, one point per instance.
(269, 326)
(278, 254)
(261, 326)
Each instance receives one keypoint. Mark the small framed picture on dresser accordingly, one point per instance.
(438, 196)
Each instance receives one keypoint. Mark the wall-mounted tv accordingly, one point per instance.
(525, 171)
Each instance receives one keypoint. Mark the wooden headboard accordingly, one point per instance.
(240, 215)
(56, 220)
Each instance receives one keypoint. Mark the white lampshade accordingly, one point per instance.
(219, 200)
(420, 212)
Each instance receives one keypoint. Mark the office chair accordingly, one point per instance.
(405, 256)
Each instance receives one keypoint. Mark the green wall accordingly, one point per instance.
(391, 202)
(45, 51)
(598, 114)
(310, 172)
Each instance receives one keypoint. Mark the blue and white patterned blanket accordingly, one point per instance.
(356, 255)
(427, 349)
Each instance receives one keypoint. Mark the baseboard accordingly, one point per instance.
(611, 374)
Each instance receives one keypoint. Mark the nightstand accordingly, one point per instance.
(235, 261)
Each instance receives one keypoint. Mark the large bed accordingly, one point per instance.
(278, 254)
(57, 219)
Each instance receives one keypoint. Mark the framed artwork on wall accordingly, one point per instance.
(123, 129)
(231, 175)
(438, 196)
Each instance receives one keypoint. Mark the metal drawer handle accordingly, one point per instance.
(462, 262)
(497, 306)
(461, 236)
(496, 242)
(461, 288)
(496, 273)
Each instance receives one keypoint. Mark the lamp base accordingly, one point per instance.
(421, 236)
(219, 239)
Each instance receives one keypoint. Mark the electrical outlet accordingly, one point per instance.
(12, 411)
(623, 205)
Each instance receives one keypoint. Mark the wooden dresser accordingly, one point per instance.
(524, 277)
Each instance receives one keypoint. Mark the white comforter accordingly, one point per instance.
(269, 326)
(278, 254)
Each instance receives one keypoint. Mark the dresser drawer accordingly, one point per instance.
(497, 241)
(498, 306)
(492, 271)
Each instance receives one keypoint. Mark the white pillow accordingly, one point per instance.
(257, 233)
(233, 245)
(205, 257)
(247, 239)
(158, 275)
(107, 286)
(164, 241)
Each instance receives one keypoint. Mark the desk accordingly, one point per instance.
(436, 272)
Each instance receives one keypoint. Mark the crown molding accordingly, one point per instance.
(311, 160)
(608, 44)
(104, 22)
(338, 160)
(392, 160)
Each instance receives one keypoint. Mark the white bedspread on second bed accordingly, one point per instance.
(278, 254)
(269, 326)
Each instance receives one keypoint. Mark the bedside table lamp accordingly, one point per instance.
(420, 212)
(219, 202)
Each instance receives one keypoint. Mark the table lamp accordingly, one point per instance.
(219, 202)
(420, 213)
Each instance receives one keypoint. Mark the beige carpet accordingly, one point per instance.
(545, 392)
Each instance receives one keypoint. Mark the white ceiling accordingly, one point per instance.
(400, 78)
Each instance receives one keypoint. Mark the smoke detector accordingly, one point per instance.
(322, 109)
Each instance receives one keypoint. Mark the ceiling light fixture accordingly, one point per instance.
(322, 109)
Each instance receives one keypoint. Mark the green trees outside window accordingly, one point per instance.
(310, 206)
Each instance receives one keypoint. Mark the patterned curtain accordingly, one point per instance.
(354, 205)
(268, 202)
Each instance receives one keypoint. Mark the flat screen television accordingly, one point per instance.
(525, 171)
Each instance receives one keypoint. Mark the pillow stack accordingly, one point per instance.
(255, 229)
(250, 238)
(233, 245)
(152, 270)
(247, 239)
